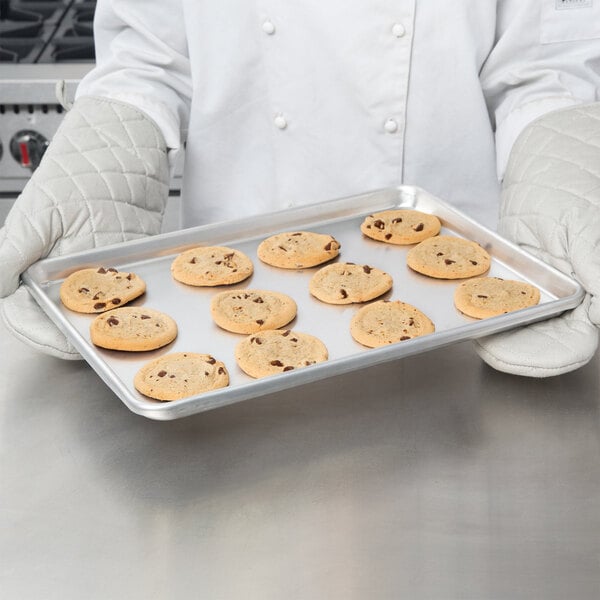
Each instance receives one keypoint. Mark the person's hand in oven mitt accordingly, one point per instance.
(551, 207)
(103, 179)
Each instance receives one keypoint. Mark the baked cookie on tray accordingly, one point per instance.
(276, 351)
(347, 283)
(387, 322)
(249, 311)
(98, 289)
(180, 375)
(400, 226)
(133, 329)
(298, 249)
(484, 297)
(211, 266)
(448, 257)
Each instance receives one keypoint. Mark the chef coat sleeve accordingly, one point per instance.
(546, 56)
(142, 59)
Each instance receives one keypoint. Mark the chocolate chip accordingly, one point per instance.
(379, 224)
(405, 337)
(411, 322)
(145, 317)
(286, 332)
(84, 290)
(129, 277)
(419, 227)
(161, 373)
(112, 270)
(440, 254)
(328, 246)
(112, 321)
(388, 236)
(367, 269)
(116, 300)
(343, 293)
(171, 376)
(96, 296)
(260, 322)
(288, 368)
(211, 360)
(276, 363)
(221, 371)
(99, 305)
(473, 262)
(193, 261)
(293, 339)
(229, 256)
(101, 270)
(397, 220)
(258, 300)
(449, 262)
(282, 248)
(297, 233)
(481, 296)
(218, 262)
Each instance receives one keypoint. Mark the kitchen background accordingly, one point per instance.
(42, 43)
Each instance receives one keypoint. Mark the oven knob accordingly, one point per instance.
(27, 148)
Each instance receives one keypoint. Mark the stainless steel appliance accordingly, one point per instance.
(43, 43)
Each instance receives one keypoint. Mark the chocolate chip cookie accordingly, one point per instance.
(491, 296)
(298, 249)
(211, 266)
(133, 329)
(448, 257)
(180, 375)
(346, 283)
(400, 226)
(277, 351)
(249, 311)
(387, 322)
(99, 289)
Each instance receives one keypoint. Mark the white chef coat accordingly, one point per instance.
(286, 103)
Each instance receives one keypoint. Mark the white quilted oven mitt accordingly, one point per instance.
(551, 207)
(103, 179)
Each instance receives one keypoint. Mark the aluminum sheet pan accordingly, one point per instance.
(151, 259)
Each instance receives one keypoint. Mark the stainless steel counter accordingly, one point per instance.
(434, 477)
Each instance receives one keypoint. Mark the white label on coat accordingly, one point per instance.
(562, 4)
(560, 23)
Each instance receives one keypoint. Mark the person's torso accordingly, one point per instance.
(301, 102)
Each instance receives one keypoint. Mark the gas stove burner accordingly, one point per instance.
(46, 31)
(72, 47)
(15, 23)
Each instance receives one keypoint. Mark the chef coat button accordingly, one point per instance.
(268, 27)
(398, 30)
(391, 126)
(280, 122)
